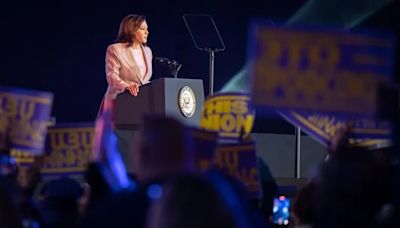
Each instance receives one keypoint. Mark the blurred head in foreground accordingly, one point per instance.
(164, 148)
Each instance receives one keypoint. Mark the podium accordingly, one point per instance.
(165, 96)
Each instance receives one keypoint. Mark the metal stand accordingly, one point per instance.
(211, 76)
(206, 37)
(176, 67)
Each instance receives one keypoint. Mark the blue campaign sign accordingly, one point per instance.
(24, 117)
(239, 160)
(205, 143)
(318, 69)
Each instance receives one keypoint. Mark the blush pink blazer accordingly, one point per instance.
(122, 70)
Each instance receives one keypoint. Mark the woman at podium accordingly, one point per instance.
(128, 66)
(129, 59)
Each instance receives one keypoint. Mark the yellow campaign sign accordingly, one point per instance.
(68, 149)
(22, 157)
(229, 114)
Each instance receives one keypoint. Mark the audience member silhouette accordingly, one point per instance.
(59, 207)
(353, 187)
(163, 152)
(164, 149)
(9, 215)
(21, 182)
(124, 209)
(269, 190)
(190, 201)
(302, 207)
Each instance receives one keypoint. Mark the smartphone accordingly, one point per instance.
(280, 210)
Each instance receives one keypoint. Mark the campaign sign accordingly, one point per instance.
(68, 149)
(323, 127)
(240, 161)
(22, 158)
(24, 116)
(310, 69)
(229, 114)
(205, 143)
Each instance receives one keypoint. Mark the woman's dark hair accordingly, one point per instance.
(129, 25)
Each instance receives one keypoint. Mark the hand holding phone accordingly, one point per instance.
(280, 211)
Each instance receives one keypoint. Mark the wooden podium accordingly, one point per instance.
(159, 97)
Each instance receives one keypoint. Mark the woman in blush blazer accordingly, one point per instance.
(129, 60)
(128, 66)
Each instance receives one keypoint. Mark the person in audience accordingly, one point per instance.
(163, 152)
(123, 209)
(269, 190)
(352, 189)
(190, 200)
(9, 213)
(98, 187)
(21, 182)
(59, 207)
(302, 214)
(28, 181)
(164, 149)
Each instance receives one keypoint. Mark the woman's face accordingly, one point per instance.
(142, 33)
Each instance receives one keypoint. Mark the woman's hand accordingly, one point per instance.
(133, 89)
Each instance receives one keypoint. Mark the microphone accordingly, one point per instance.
(173, 65)
(163, 60)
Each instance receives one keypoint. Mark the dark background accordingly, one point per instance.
(59, 46)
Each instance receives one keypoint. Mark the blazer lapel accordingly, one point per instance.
(147, 58)
(132, 63)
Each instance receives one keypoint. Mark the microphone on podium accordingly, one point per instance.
(162, 60)
(173, 65)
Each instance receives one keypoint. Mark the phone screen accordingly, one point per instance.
(280, 211)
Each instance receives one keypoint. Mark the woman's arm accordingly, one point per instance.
(112, 71)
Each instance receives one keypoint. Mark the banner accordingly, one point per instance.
(205, 143)
(229, 114)
(68, 149)
(24, 116)
(315, 69)
(23, 159)
(240, 161)
(323, 127)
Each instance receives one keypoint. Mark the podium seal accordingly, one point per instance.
(187, 101)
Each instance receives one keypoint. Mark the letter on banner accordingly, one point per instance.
(323, 127)
(229, 114)
(205, 143)
(240, 161)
